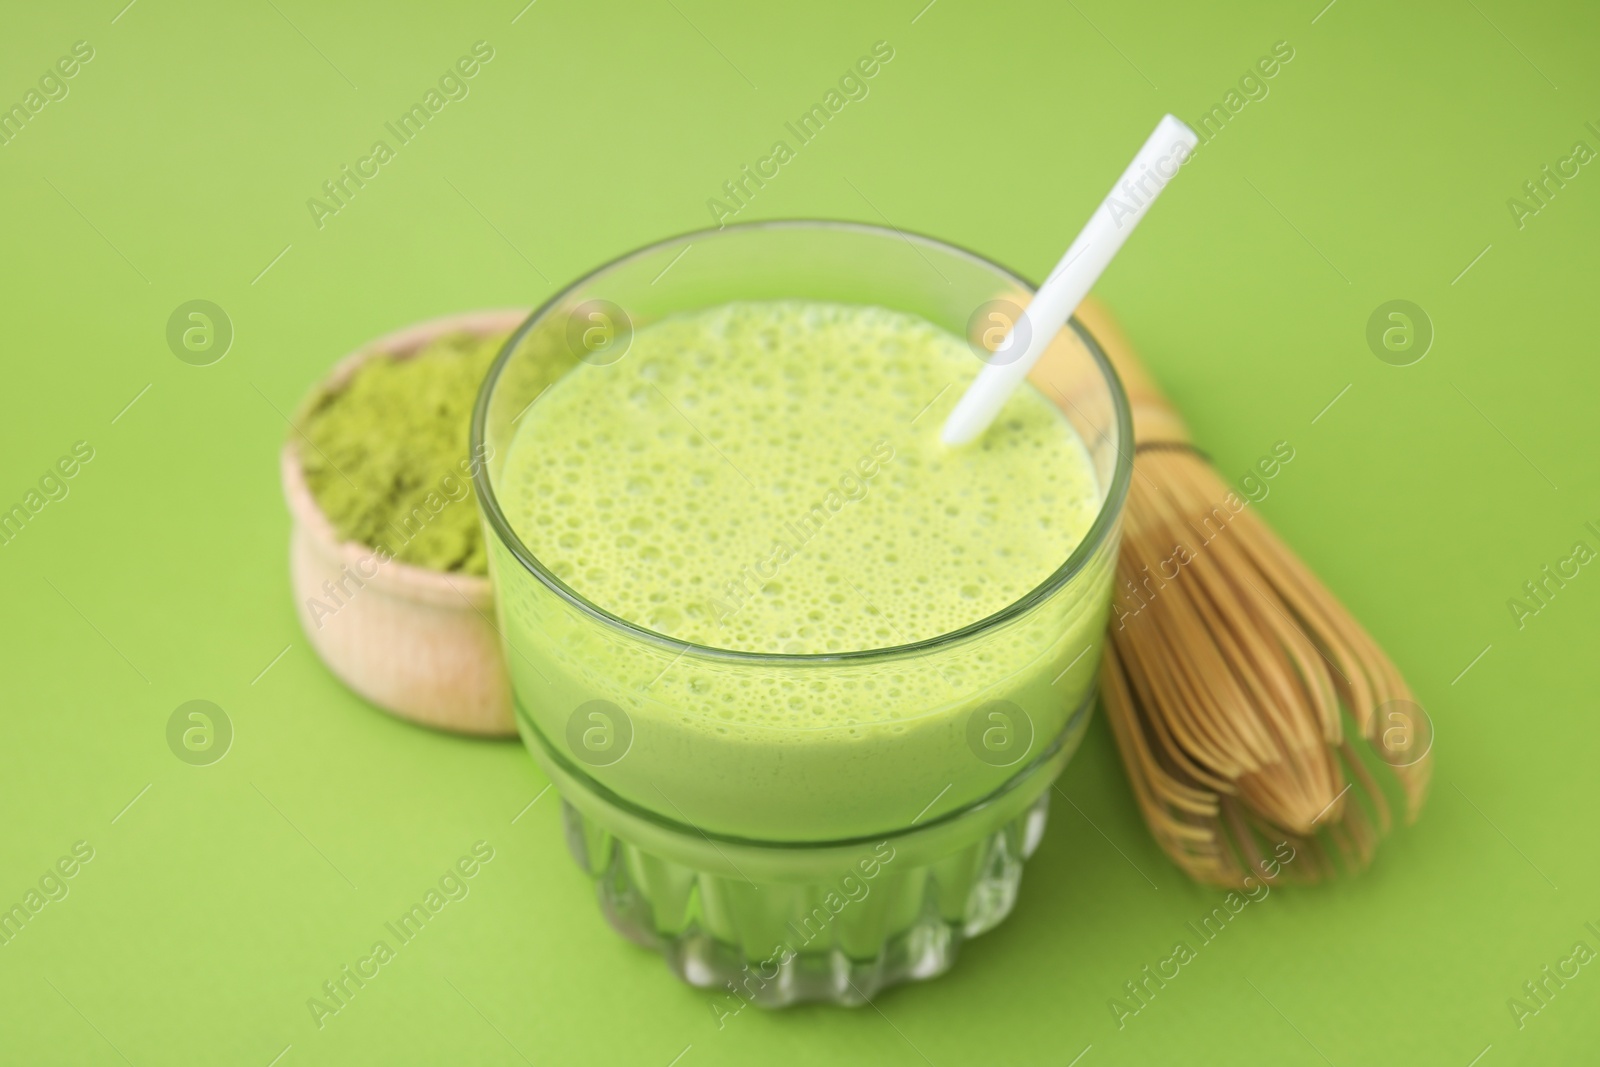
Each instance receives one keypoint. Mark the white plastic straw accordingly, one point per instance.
(1128, 202)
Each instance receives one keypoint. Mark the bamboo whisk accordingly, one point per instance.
(1228, 667)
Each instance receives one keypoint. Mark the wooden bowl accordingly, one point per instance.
(419, 643)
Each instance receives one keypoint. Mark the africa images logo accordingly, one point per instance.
(338, 191)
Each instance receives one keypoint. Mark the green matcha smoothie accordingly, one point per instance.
(767, 477)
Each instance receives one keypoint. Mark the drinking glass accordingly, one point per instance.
(779, 864)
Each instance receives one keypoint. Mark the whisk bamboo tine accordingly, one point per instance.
(1157, 688)
(1369, 785)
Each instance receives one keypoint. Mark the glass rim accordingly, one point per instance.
(1099, 531)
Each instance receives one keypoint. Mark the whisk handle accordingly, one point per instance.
(1155, 420)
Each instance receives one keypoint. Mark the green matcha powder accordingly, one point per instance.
(386, 454)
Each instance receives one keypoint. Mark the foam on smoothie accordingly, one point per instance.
(767, 477)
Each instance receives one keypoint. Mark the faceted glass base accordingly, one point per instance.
(858, 921)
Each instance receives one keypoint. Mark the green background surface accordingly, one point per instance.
(220, 898)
